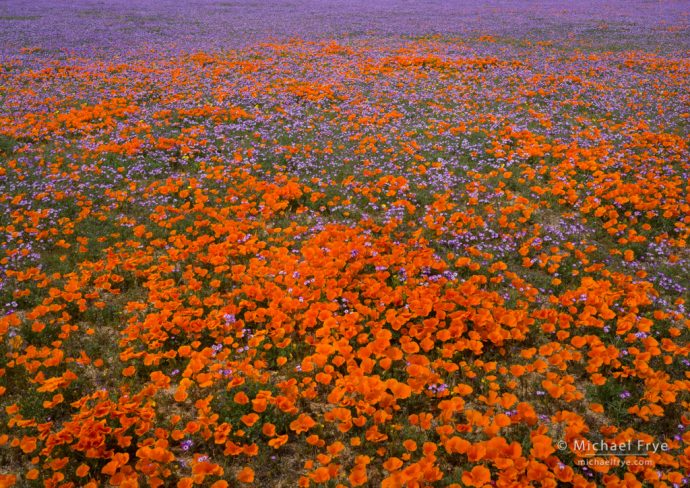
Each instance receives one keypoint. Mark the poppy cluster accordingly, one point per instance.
(430, 261)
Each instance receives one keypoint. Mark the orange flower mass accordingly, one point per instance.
(406, 260)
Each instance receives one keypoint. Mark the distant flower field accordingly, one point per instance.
(387, 254)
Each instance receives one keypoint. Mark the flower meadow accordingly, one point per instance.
(344, 244)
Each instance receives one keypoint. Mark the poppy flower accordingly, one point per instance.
(302, 424)
(477, 476)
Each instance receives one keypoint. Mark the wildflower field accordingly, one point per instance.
(344, 243)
